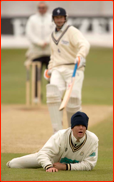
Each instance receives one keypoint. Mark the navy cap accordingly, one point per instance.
(59, 11)
(79, 118)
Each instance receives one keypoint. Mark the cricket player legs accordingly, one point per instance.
(27, 161)
(74, 103)
(55, 91)
(57, 78)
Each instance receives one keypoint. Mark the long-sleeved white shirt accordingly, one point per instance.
(61, 148)
(66, 45)
(38, 31)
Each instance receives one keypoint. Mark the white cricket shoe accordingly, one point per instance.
(8, 164)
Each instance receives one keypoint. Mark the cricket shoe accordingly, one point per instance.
(8, 164)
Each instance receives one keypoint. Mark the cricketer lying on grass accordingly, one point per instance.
(74, 148)
(68, 47)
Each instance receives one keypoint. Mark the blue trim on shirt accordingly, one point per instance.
(93, 154)
(68, 161)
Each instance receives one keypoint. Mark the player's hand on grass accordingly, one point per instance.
(80, 60)
(59, 166)
(52, 169)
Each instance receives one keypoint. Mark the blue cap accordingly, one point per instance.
(59, 12)
(79, 118)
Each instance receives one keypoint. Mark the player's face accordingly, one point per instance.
(79, 131)
(59, 21)
(42, 8)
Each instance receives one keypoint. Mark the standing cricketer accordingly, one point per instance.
(74, 148)
(68, 47)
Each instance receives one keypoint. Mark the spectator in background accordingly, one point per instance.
(38, 29)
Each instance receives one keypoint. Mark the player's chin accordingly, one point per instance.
(60, 25)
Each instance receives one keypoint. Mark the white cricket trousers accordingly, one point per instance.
(27, 161)
(61, 77)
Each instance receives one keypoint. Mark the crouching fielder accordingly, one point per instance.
(74, 148)
(68, 47)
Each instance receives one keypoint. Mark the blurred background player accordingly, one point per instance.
(38, 29)
(68, 47)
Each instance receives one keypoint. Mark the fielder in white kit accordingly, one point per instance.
(74, 148)
(68, 47)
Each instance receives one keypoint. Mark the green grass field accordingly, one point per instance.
(103, 171)
(97, 87)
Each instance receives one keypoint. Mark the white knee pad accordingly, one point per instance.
(53, 102)
(53, 94)
(73, 106)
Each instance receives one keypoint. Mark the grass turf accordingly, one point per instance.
(97, 87)
(103, 171)
(98, 82)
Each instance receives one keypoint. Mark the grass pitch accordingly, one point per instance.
(103, 171)
(97, 87)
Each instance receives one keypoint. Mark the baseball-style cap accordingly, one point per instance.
(59, 11)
